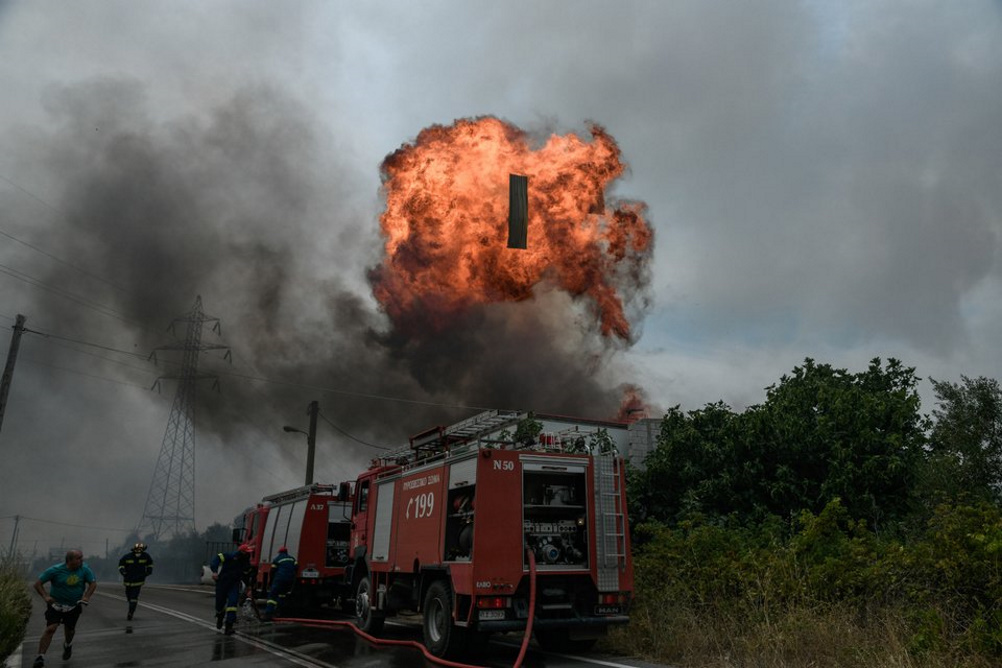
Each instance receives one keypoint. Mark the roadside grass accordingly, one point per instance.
(15, 607)
(824, 636)
(826, 592)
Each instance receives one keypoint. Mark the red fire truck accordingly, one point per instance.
(457, 525)
(314, 522)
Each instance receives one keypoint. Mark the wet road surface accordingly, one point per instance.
(175, 626)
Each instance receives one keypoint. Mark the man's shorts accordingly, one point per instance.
(68, 618)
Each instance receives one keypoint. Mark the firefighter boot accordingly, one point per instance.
(132, 611)
(219, 620)
(229, 629)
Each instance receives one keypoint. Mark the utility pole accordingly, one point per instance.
(311, 438)
(8, 370)
(311, 441)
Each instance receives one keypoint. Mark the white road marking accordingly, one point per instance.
(270, 647)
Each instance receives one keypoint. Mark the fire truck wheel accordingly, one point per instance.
(559, 640)
(367, 619)
(441, 637)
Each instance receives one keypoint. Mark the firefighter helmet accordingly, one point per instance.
(138, 547)
(283, 549)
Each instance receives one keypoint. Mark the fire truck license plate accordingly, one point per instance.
(491, 614)
(308, 573)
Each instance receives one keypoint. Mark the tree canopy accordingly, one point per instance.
(966, 442)
(822, 434)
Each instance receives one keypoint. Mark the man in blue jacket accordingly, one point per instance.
(71, 584)
(283, 575)
(229, 570)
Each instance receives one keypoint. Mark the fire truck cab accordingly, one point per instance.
(459, 525)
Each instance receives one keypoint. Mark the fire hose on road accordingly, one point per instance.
(413, 643)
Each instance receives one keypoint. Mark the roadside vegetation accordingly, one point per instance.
(15, 607)
(833, 525)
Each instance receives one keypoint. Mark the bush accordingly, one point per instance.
(821, 590)
(15, 608)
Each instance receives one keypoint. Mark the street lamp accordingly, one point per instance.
(311, 439)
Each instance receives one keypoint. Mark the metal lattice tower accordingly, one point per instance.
(170, 504)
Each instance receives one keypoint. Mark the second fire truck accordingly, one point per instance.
(314, 522)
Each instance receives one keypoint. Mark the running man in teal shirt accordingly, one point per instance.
(71, 584)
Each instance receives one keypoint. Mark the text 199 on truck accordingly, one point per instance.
(456, 525)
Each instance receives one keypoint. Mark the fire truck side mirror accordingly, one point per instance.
(344, 492)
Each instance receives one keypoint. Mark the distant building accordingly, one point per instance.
(642, 438)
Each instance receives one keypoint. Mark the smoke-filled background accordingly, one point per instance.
(717, 190)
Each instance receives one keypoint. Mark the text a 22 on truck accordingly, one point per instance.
(456, 526)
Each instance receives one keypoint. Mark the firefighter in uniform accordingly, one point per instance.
(283, 569)
(135, 567)
(229, 570)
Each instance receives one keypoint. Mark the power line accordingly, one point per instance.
(141, 356)
(66, 524)
(87, 343)
(82, 301)
(361, 395)
(85, 375)
(30, 194)
(266, 445)
(60, 260)
(354, 438)
(263, 379)
(96, 356)
(54, 209)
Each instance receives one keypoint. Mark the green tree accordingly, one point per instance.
(527, 431)
(685, 473)
(834, 434)
(822, 433)
(966, 441)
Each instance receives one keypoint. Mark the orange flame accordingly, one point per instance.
(633, 405)
(446, 224)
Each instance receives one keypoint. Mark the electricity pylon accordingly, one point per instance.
(170, 504)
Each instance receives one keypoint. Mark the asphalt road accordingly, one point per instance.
(175, 626)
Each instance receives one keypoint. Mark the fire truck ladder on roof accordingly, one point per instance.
(439, 440)
(611, 525)
(302, 492)
(481, 424)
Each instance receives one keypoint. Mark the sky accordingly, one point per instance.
(822, 180)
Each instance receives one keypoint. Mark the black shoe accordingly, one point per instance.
(229, 630)
(67, 652)
(39, 662)
(129, 617)
(219, 621)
